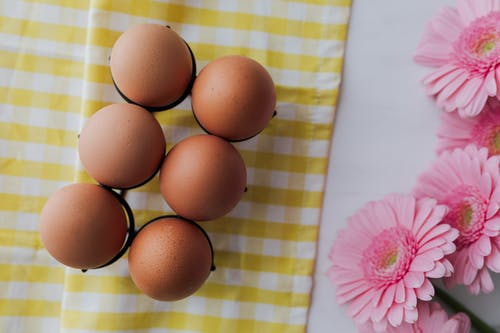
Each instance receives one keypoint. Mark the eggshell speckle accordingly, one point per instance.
(203, 177)
(83, 226)
(169, 259)
(233, 97)
(121, 145)
(151, 65)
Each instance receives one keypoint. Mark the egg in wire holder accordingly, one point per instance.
(170, 105)
(173, 104)
(168, 216)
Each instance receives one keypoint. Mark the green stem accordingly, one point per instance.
(477, 322)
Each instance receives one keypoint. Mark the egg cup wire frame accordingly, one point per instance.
(229, 140)
(170, 216)
(130, 230)
(186, 93)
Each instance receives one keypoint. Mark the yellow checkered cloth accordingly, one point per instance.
(54, 74)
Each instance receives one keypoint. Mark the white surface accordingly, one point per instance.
(384, 137)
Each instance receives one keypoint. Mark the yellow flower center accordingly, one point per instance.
(389, 259)
(466, 213)
(496, 141)
(486, 45)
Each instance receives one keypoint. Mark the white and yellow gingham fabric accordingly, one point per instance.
(54, 74)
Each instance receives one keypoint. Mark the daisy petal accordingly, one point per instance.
(380, 326)
(484, 245)
(493, 224)
(395, 315)
(357, 305)
(470, 273)
(455, 77)
(451, 88)
(437, 232)
(410, 315)
(438, 272)
(388, 298)
(345, 296)
(411, 298)
(400, 292)
(414, 279)
(425, 207)
(475, 105)
(486, 281)
(425, 292)
(468, 92)
(476, 260)
(490, 84)
(467, 10)
(474, 288)
(448, 24)
(492, 210)
(429, 55)
(440, 72)
(422, 264)
(379, 313)
(493, 261)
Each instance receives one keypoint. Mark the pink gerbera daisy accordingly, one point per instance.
(483, 130)
(467, 181)
(431, 319)
(463, 44)
(382, 261)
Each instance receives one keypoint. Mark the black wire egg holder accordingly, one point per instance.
(119, 192)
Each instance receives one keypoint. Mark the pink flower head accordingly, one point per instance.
(463, 45)
(431, 319)
(468, 182)
(382, 261)
(483, 130)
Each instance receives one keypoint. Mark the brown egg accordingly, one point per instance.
(170, 258)
(151, 65)
(121, 145)
(203, 177)
(83, 226)
(233, 97)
